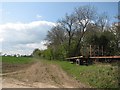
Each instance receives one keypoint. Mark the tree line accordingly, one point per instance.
(84, 32)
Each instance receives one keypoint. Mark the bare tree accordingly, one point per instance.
(68, 24)
(116, 30)
(56, 36)
(103, 21)
(84, 16)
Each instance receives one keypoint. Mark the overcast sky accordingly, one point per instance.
(23, 26)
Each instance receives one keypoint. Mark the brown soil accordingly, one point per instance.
(7, 67)
(40, 75)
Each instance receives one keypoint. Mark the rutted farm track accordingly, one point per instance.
(40, 75)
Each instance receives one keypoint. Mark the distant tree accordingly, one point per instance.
(0, 53)
(57, 39)
(48, 54)
(36, 53)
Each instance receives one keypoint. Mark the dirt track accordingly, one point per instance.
(14, 83)
(40, 75)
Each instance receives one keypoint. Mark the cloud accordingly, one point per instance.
(38, 16)
(25, 48)
(1, 39)
(24, 37)
(1, 10)
(39, 45)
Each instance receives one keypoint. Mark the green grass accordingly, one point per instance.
(16, 60)
(97, 75)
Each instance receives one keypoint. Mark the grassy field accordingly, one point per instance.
(16, 60)
(98, 75)
(12, 64)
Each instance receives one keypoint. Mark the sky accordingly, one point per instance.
(59, 0)
(24, 25)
